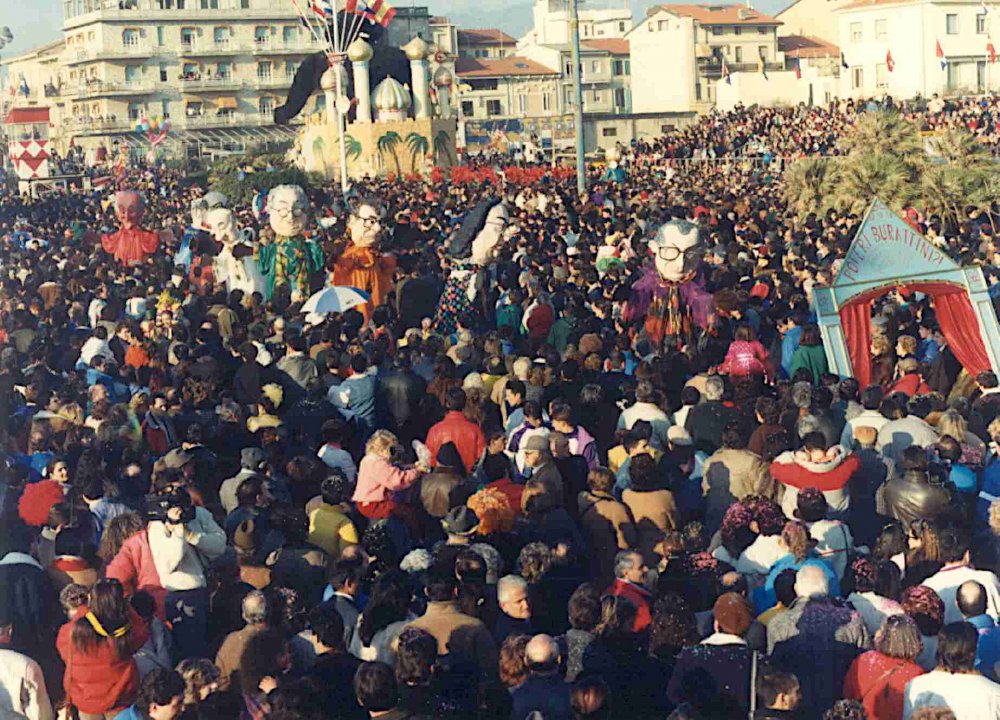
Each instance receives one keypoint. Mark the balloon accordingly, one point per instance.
(154, 123)
(166, 125)
(138, 127)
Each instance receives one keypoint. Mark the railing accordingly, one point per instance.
(273, 45)
(136, 50)
(218, 47)
(98, 88)
(221, 83)
(91, 126)
(279, 80)
(200, 122)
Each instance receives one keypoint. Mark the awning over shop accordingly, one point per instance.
(225, 103)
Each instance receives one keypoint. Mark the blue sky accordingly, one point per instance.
(514, 16)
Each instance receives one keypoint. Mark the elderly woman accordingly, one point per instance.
(927, 610)
(800, 551)
(380, 477)
(878, 677)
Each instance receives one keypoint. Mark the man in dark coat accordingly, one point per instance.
(544, 691)
(398, 397)
(945, 369)
(707, 419)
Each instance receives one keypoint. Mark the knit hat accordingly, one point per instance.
(732, 613)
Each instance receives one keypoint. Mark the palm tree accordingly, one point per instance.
(353, 147)
(945, 191)
(883, 133)
(862, 178)
(418, 145)
(442, 146)
(318, 145)
(388, 144)
(958, 145)
(809, 182)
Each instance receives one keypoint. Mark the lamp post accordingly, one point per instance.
(6, 38)
(574, 29)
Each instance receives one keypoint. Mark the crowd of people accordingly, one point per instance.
(217, 506)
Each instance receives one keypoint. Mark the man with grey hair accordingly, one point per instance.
(255, 607)
(544, 691)
(515, 610)
(631, 574)
(707, 419)
(817, 632)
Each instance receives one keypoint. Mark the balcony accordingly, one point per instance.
(149, 11)
(274, 81)
(131, 51)
(273, 46)
(99, 88)
(210, 84)
(98, 126)
(209, 49)
(714, 69)
(208, 122)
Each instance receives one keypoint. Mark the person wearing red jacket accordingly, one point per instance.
(910, 382)
(467, 436)
(97, 646)
(816, 466)
(630, 578)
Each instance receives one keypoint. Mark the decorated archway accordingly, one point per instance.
(888, 254)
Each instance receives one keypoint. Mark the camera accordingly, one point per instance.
(157, 506)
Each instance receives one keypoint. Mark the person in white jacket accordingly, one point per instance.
(22, 686)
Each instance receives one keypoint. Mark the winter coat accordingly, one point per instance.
(715, 673)
(706, 421)
(378, 479)
(96, 679)
(812, 358)
(640, 597)
(911, 384)
(459, 635)
(608, 527)
(879, 682)
(443, 489)
(796, 472)
(730, 475)
(746, 359)
(465, 435)
(654, 513)
(914, 497)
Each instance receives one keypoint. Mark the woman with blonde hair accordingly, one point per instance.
(381, 477)
(201, 679)
(952, 423)
(800, 548)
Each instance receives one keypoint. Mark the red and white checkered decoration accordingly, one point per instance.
(30, 158)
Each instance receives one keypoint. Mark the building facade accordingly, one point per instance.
(909, 33)
(690, 43)
(814, 18)
(551, 23)
(485, 44)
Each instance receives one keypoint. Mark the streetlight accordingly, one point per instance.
(574, 29)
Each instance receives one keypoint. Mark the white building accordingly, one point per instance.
(909, 31)
(815, 18)
(551, 23)
(677, 53)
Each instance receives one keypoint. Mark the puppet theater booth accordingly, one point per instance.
(411, 131)
(887, 254)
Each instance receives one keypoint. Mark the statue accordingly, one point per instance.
(196, 229)
(289, 259)
(234, 265)
(670, 295)
(131, 245)
(361, 265)
(473, 249)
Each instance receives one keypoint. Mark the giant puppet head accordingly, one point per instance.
(222, 224)
(201, 207)
(129, 208)
(365, 223)
(677, 250)
(287, 210)
(482, 231)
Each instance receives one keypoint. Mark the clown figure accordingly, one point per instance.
(289, 259)
(362, 265)
(131, 245)
(234, 265)
(669, 295)
(473, 249)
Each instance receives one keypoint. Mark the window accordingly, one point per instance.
(160, 38)
(739, 54)
(522, 104)
(484, 84)
(546, 102)
(244, 4)
(468, 109)
(209, 4)
(290, 68)
(981, 24)
(952, 80)
(762, 30)
(650, 27)
(264, 70)
(225, 71)
(130, 38)
(187, 36)
(165, 108)
(762, 52)
(662, 25)
(697, 92)
(568, 68)
(134, 111)
(595, 66)
(193, 109)
(951, 23)
(880, 30)
(716, 29)
(856, 32)
(265, 106)
(619, 101)
(493, 107)
(621, 27)
(597, 96)
(289, 34)
(261, 34)
(857, 78)
(191, 71)
(163, 72)
(220, 35)
(609, 132)
(570, 100)
(737, 31)
(881, 76)
(133, 73)
(618, 67)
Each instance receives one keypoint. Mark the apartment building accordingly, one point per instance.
(485, 43)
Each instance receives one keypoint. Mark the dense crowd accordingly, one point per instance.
(217, 506)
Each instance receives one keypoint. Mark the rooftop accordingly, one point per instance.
(466, 67)
(484, 36)
(718, 14)
(871, 3)
(615, 46)
(806, 46)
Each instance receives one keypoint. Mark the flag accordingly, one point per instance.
(843, 61)
(382, 13)
(322, 9)
(725, 72)
(798, 68)
(357, 6)
(890, 64)
(760, 66)
(940, 54)
(991, 50)
(25, 90)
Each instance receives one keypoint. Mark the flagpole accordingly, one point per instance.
(341, 119)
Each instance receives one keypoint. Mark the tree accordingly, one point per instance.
(808, 184)
(883, 133)
(353, 147)
(388, 144)
(442, 147)
(418, 145)
(958, 145)
(862, 178)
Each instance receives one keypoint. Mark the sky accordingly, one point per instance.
(513, 16)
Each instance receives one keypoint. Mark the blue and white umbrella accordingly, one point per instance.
(338, 298)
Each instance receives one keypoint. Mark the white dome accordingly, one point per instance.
(390, 96)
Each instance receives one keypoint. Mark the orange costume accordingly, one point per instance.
(368, 270)
(131, 244)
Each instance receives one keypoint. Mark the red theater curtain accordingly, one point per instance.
(960, 327)
(856, 320)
